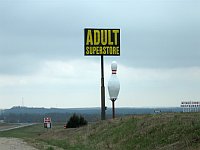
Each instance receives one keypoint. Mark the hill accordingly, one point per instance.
(153, 131)
(19, 114)
(92, 110)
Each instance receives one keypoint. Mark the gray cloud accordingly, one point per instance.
(42, 57)
(153, 33)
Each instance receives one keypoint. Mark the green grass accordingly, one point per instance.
(25, 132)
(143, 132)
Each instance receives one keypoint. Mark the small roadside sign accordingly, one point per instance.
(47, 122)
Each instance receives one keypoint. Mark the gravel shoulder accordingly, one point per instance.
(14, 144)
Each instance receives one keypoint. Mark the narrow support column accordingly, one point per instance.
(103, 112)
(113, 109)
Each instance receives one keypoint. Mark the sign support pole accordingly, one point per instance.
(113, 108)
(103, 113)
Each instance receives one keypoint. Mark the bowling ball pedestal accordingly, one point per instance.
(113, 107)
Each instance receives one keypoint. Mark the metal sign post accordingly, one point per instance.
(103, 110)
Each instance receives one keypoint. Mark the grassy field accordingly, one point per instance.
(143, 132)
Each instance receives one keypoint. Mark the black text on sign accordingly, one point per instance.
(102, 42)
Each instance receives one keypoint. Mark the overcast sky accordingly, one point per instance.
(42, 52)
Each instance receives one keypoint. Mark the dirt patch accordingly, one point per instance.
(14, 144)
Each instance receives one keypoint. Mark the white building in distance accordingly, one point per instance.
(190, 106)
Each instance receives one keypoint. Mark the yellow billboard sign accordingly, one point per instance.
(102, 42)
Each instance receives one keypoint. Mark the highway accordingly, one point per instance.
(15, 126)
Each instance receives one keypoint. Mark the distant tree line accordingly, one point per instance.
(31, 114)
(38, 118)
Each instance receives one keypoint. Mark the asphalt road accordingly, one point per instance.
(15, 126)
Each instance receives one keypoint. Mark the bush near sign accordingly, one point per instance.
(102, 42)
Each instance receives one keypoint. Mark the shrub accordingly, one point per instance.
(76, 121)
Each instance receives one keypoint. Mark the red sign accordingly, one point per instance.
(47, 120)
